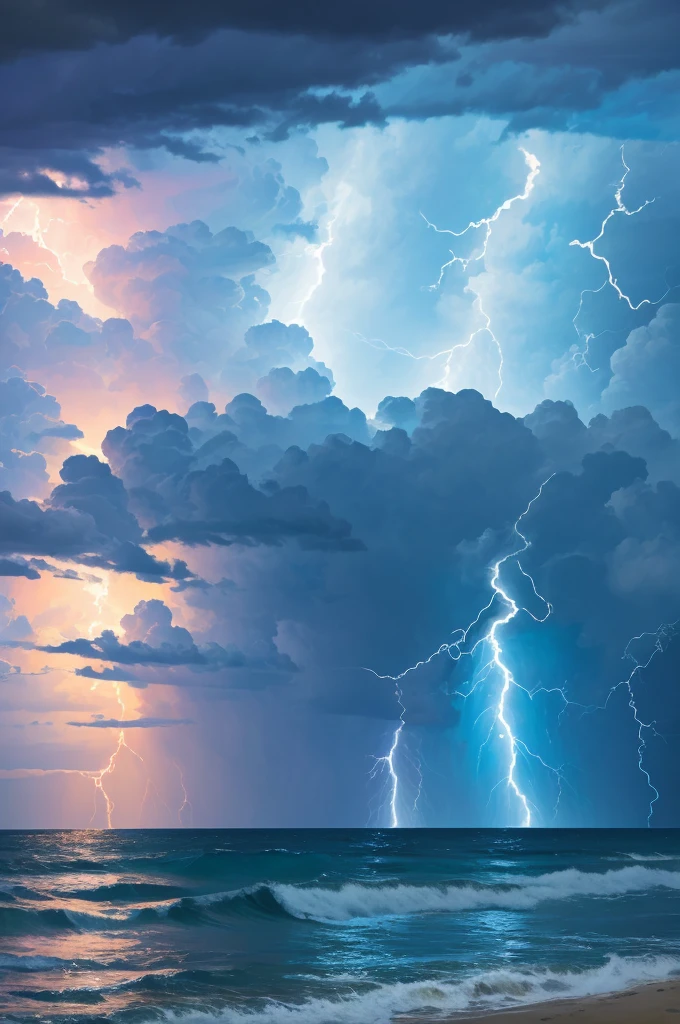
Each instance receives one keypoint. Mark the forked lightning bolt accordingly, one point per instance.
(581, 356)
(534, 165)
(98, 777)
(662, 637)
(388, 762)
(502, 717)
(485, 224)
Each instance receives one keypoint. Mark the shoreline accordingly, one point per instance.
(650, 1003)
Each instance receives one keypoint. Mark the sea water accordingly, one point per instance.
(328, 926)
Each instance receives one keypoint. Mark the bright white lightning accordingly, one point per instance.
(486, 223)
(581, 357)
(500, 709)
(388, 761)
(37, 233)
(534, 165)
(317, 252)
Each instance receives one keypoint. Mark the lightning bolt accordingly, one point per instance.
(387, 761)
(318, 251)
(99, 776)
(37, 233)
(186, 804)
(485, 224)
(534, 165)
(662, 638)
(96, 776)
(582, 354)
(500, 708)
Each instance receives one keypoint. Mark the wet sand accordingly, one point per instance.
(658, 1003)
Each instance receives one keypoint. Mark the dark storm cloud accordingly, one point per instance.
(67, 108)
(565, 439)
(91, 488)
(70, 24)
(151, 642)
(216, 504)
(236, 70)
(26, 528)
(438, 505)
(107, 647)
(602, 73)
(18, 567)
(433, 495)
(88, 523)
(119, 675)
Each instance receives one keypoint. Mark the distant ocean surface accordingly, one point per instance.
(328, 927)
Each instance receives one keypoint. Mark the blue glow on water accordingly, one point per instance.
(328, 927)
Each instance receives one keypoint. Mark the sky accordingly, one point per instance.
(339, 414)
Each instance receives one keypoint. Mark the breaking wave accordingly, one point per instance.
(354, 901)
(488, 990)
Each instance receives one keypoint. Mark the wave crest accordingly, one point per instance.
(485, 991)
(355, 901)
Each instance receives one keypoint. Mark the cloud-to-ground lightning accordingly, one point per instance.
(387, 761)
(661, 639)
(96, 776)
(581, 355)
(99, 777)
(461, 646)
(186, 803)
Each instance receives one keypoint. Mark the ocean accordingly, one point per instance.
(339, 926)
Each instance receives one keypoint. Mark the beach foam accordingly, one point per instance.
(482, 991)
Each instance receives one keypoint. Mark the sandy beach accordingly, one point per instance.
(646, 1004)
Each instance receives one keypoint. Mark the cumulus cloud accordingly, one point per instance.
(61, 345)
(282, 389)
(84, 525)
(186, 275)
(13, 628)
(30, 424)
(150, 641)
(216, 504)
(645, 369)
(187, 297)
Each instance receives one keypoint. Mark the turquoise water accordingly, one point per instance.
(328, 927)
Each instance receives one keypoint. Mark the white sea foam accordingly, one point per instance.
(354, 901)
(483, 991)
(650, 856)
